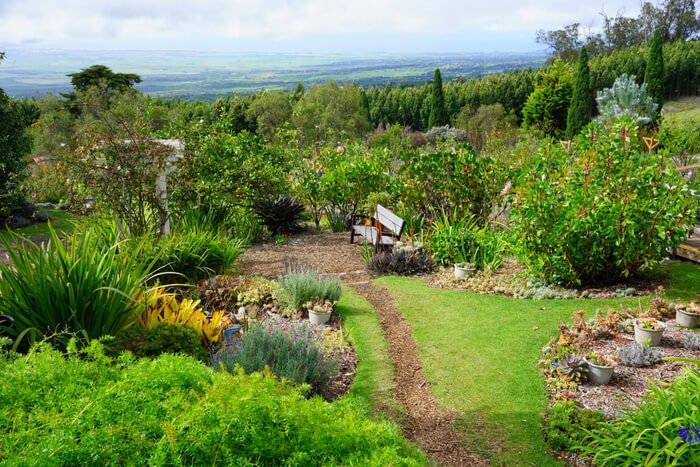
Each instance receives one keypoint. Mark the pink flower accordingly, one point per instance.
(341, 149)
(33, 195)
(506, 188)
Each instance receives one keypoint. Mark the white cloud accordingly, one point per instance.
(86, 21)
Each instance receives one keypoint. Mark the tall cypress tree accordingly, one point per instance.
(438, 114)
(654, 75)
(581, 103)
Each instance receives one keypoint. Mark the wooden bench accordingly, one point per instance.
(391, 228)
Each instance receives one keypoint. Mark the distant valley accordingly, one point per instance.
(208, 75)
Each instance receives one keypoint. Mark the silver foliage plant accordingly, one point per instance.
(625, 98)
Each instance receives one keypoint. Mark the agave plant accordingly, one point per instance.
(280, 215)
(72, 286)
(573, 367)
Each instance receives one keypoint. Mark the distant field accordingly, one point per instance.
(193, 75)
(682, 110)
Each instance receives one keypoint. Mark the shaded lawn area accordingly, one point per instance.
(480, 354)
(63, 222)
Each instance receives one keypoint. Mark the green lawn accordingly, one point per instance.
(375, 372)
(63, 222)
(682, 111)
(480, 353)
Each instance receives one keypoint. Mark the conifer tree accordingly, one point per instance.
(581, 103)
(654, 75)
(438, 114)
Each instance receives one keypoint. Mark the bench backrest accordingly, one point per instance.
(389, 220)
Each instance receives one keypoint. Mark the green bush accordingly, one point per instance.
(546, 109)
(189, 255)
(299, 286)
(289, 353)
(565, 425)
(164, 338)
(454, 239)
(648, 433)
(86, 409)
(602, 211)
(74, 286)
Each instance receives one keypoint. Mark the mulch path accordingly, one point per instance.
(425, 422)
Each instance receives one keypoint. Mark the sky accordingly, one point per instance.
(295, 25)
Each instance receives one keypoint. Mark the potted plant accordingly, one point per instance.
(688, 315)
(466, 268)
(601, 367)
(320, 311)
(648, 330)
(463, 270)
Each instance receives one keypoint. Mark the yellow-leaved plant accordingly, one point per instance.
(162, 307)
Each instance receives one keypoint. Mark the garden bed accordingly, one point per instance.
(510, 280)
(250, 300)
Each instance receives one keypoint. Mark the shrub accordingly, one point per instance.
(163, 338)
(445, 134)
(16, 144)
(639, 355)
(602, 212)
(566, 424)
(403, 263)
(648, 433)
(281, 215)
(290, 354)
(75, 285)
(87, 409)
(625, 98)
(455, 239)
(50, 183)
(165, 308)
(189, 255)
(300, 286)
(546, 109)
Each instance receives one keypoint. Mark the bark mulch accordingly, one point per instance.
(425, 422)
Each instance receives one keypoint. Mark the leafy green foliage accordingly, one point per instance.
(648, 432)
(654, 74)
(580, 110)
(300, 286)
(438, 113)
(547, 107)
(163, 338)
(290, 353)
(601, 212)
(84, 408)
(454, 239)
(76, 285)
(15, 144)
(281, 215)
(565, 425)
(189, 254)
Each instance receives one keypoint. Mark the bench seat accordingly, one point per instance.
(370, 233)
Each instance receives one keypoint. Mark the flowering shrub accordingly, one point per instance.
(601, 211)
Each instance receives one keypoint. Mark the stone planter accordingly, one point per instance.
(599, 374)
(463, 270)
(652, 335)
(316, 317)
(689, 320)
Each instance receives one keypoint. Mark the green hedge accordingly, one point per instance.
(83, 408)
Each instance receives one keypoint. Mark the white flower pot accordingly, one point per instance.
(599, 374)
(463, 270)
(652, 335)
(689, 320)
(316, 317)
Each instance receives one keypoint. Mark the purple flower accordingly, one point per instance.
(689, 434)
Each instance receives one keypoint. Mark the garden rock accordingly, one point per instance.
(45, 206)
(43, 216)
(17, 222)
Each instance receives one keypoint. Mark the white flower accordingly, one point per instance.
(543, 177)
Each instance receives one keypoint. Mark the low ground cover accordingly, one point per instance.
(480, 354)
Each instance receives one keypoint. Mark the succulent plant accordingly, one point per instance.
(573, 367)
(639, 355)
(692, 341)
